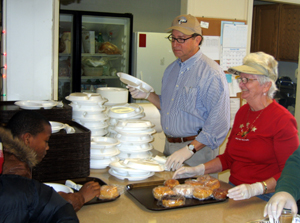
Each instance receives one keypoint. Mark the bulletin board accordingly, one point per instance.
(214, 29)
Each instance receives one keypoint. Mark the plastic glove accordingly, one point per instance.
(245, 191)
(176, 160)
(138, 94)
(186, 172)
(276, 204)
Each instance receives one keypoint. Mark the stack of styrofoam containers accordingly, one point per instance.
(123, 112)
(135, 137)
(89, 111)
(103, 152)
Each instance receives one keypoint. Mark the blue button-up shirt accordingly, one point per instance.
(195, 96)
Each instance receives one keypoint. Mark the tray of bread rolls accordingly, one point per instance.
(186, 192)
(108, 193)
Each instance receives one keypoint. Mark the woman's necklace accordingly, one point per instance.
(249, 127)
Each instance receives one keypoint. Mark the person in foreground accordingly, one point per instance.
(287, 190)
(27, 200)
(194, 101)
(263, 136)
(35, 130)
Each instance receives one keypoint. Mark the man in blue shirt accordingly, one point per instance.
(194, 102)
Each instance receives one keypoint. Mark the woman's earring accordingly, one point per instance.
(265, 93)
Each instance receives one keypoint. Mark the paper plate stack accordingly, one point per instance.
(89, 111)
(103, 152)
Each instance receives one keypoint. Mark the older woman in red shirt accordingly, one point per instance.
(263, 136)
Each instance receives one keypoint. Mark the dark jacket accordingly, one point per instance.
(23, 199)
(27, 200)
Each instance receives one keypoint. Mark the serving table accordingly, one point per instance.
(128, 209)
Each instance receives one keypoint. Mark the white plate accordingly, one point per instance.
(135, 178)
(131, 138)
(135, 132)
(104, 142)
(135, 82)
(125, 111)
(139, 155)
(89, 115)
(102, 163)
(92, 123)
(140, 164)
(105, 155)
(134, 147)
(90, 119)
(60, 187)
(56, 126)
(85, 98)
(126, 171)
(99, 133)
(133, 124)
(85, 107)
(103, 151)
(31, 104)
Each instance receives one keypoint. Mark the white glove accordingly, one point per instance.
(138, 94)
(175, 161)
(186, 172)
(245, 191)
(277, 202)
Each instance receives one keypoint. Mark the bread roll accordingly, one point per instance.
(212, 183)
(108, 192)
(171, 183)
(220, 193)
(204, 178)
(184, 189)
(193, 182)
(173, 200)
(202, 193)
(160, 191)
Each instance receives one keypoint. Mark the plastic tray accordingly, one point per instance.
(84, 180)
(142, 192)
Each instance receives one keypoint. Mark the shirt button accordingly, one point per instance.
(172, 99)
(176, 85)
(168, 113)
(167, 128)
(188, 69)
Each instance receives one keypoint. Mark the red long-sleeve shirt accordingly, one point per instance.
(259, 150)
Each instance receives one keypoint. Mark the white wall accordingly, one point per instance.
(29, 49)
(227, 9)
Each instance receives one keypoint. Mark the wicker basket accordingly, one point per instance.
(68, 156)
(8, 109)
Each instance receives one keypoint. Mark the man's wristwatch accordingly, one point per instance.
(191, 147)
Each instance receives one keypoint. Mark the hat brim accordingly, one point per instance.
(181, 29)
(244, 69)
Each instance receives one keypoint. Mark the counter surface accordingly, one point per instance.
(127, 209)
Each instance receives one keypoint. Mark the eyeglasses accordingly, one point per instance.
(179, 40)
(244, 80)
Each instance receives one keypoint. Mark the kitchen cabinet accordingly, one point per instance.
(276, 31)
(85, 62)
